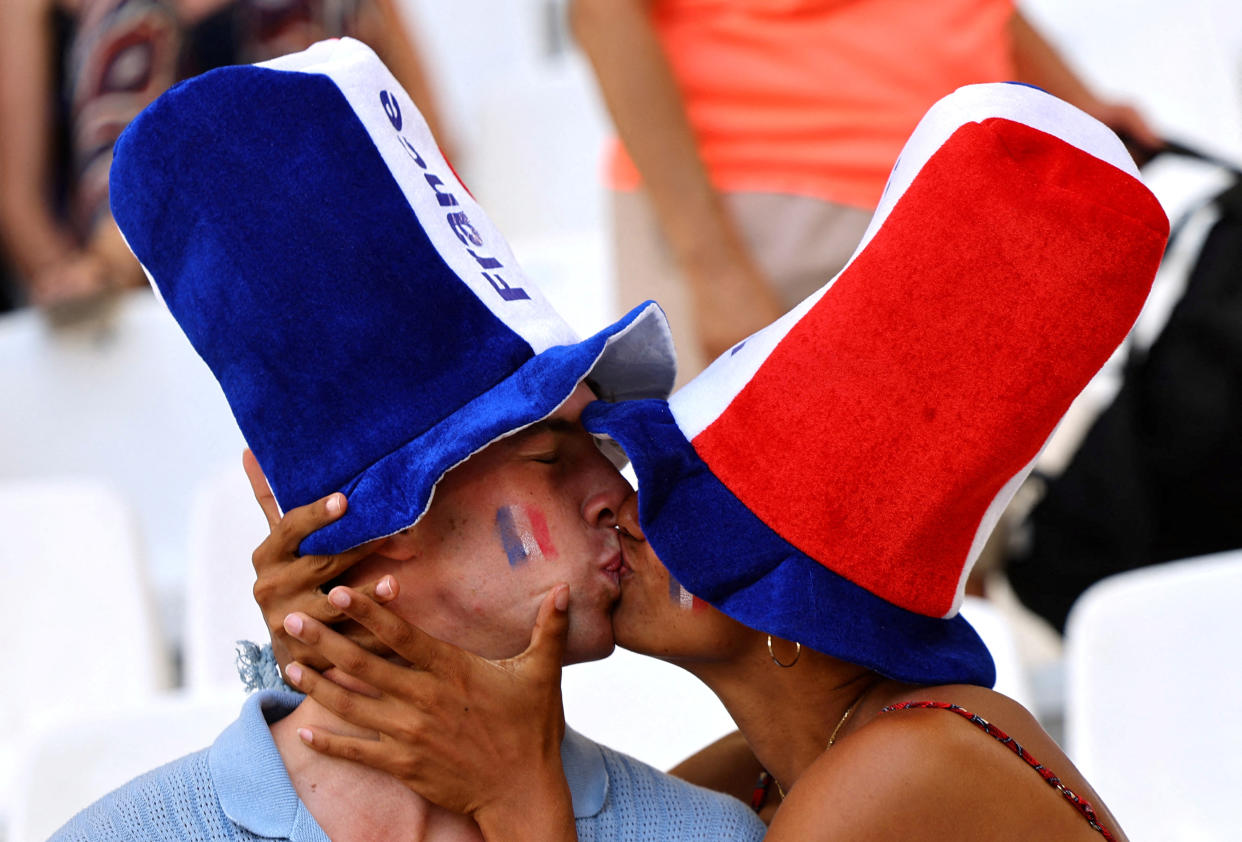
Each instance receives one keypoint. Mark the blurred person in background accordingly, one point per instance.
(73, 73)
(755, 136)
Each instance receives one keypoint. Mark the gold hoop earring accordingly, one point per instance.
(777, 661)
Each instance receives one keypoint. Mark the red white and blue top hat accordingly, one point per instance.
(367, 323)
(832, 478)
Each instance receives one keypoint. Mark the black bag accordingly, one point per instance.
(1158, 476)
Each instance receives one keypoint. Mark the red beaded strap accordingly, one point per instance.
(759, 792)
(1009, 742)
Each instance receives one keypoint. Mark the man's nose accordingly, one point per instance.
(601, 506)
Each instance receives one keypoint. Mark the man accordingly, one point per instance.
(375, 337)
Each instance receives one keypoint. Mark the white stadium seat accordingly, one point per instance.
(1152, 697)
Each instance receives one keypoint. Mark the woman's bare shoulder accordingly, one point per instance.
(888, 779)
(919, 773)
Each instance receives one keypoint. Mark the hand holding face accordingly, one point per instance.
(475, 736)
(287, 582)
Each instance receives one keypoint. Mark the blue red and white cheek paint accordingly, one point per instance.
(682, 598)
(523, 533)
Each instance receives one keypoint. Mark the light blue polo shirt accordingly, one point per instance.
(238, 789)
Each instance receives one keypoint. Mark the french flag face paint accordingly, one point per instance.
(523, 533)
(832, 479)
(682, 598)
(679, 596)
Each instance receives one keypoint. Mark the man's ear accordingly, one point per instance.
(382, 559)
(402, 546)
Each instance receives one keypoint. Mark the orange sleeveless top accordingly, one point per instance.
(816, 97)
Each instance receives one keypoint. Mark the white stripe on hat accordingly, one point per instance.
(458, 228)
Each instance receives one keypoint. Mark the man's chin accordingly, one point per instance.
(595, 651)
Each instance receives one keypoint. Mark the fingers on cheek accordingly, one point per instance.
(295, 673)
(409, 732)
(355, 662)
(297, 627)
(407, 767)
(385, 589)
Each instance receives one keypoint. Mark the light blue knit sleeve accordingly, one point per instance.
(645, 804)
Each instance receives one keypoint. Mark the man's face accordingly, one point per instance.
(524, 514)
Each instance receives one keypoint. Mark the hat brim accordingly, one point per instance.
(631, 358)
(722, 553)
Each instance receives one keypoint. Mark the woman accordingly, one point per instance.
(822, 490)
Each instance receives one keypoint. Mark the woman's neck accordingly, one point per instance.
(787, 715)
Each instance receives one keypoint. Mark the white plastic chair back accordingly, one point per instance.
(1153, 689)
(124, 398)
(69, 764)
(226, 525)
(82, 619)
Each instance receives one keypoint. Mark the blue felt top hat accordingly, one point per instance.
(367, 323)
(833, 478)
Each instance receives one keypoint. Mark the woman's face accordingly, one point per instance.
(656, 616)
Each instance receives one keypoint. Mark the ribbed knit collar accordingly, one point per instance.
(256, 793)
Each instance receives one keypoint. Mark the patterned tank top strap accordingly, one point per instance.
(1083, 807)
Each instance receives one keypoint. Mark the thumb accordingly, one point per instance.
(551, 633)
